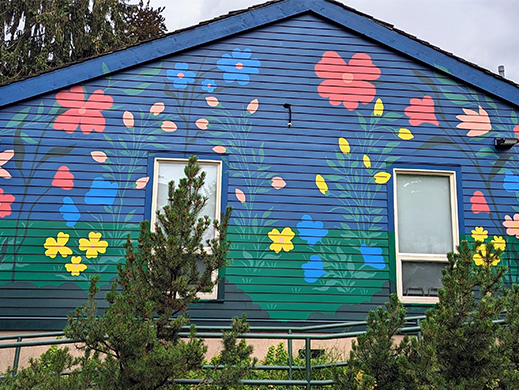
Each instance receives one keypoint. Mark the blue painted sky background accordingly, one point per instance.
(484, 32)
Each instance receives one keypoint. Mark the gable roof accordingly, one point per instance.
(250, 18)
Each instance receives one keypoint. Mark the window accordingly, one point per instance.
(167, 169)
(426, 229)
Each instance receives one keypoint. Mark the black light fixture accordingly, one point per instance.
(504, 143)
(288, 106)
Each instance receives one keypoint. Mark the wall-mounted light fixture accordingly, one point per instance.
(505, 143)
(288, 106)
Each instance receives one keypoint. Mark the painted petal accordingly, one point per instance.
(479, 203)
(5, 156)
(128, 119)
(253, 106)
(98, 101)
(367, 162)
(98, 156)
(63, 178)
(382, 177)
(321, 184)
(379, 108)
(93, 120)
(4, 174)
(240, 195)
(219, 149)
(344, 145)
(157, 108)
(202, 123)
(278, 182)
(212, 101)
(141, 182)
(73, 98)
(168, 126)
(405, 134)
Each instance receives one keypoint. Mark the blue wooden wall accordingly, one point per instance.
(75, 170)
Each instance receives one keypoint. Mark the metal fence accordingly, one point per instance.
(334, 331)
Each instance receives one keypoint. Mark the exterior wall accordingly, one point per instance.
(326, 180)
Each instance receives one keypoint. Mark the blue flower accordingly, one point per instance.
(310, 231)
(372, 256)
(69, 211)
(101, 192)
(239, 66)
(208, 85)
(313, 269)
(181, 77)
(511, 182)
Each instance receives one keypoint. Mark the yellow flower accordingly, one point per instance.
(479, 234)
(382, 177)
(344, 145)
(321, 184)
(75, 267)
(93, 245)
(405, 134)
(281, 240)
(499, 243)
(379, 108)
(366, 160)
(55, 246)
(479, 259)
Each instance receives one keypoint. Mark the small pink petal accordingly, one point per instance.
(240, 195)
(212, 101)
(128, 119)
(5, 156)
(278, 182)
(253, 106)
(168, 126)
(516, 130)
(219, 149)
(141, 183)
(157, 108)
(98, 156)
(4, 174)
(202, 123)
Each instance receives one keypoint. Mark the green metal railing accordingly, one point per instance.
(259, 332)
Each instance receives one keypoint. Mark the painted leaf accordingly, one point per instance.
(157, 108)
(382, 177)
(137, 90)
(202, 123)
(141, 182)
(56, 153)
(344, 145)
(212, 101)
(278, 182)
(219, 149)
(366, 160)
(240, 195)
(321, 184)
(128, 119)
(379, 108)
(168, 126)
(253, 106)
(405, 134)
(98, 156)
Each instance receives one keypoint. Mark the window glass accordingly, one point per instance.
(421, 278)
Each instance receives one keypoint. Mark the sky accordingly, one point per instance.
(485, 32)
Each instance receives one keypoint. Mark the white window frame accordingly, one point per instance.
(158, 160)
(425, 257)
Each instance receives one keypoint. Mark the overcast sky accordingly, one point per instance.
(485, 32)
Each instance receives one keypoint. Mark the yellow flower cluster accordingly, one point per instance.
(499, 243)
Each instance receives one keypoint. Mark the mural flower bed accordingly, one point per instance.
(238, 66)
(347, 84)
(6, 200)
(181, 76)
(86, 114)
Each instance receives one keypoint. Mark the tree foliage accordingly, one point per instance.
(38, 35)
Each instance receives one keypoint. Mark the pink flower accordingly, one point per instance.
(479, 203)
(346, 83)
(5, 203)
(421, 111)
(512, 225)
(5, 156)
(477, 123)
(81, 112)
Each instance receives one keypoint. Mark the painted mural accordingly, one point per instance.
(312, 228)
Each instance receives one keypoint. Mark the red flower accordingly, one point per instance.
(5, 204)
(81, 112)
(421, 111)
(346, 83)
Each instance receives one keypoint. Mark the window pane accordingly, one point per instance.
(422, 278)
(424, 214)
(175, 171)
